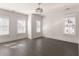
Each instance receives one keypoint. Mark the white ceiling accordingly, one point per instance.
(30, 7)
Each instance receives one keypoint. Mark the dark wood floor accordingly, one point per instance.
(38, 47)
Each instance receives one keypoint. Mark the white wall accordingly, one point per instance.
(13, 26)
(77, 31)
(53, 27)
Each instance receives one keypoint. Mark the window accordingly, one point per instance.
(38, 26)
(70, 24)
(21, 26)
(4, 25)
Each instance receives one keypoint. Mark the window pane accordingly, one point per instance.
(4, 25)
(70, 24)
(21, 26)
(37, 26)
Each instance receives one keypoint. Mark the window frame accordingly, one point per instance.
(6, 18)
(24, 26)
(69, 25)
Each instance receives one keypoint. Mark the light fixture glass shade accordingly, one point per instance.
(39, 10)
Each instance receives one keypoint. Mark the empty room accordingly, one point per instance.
(39, 29)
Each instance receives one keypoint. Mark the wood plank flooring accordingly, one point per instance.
(39, 47)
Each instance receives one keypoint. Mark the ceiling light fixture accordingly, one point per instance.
(68, 11)
(39, 9)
